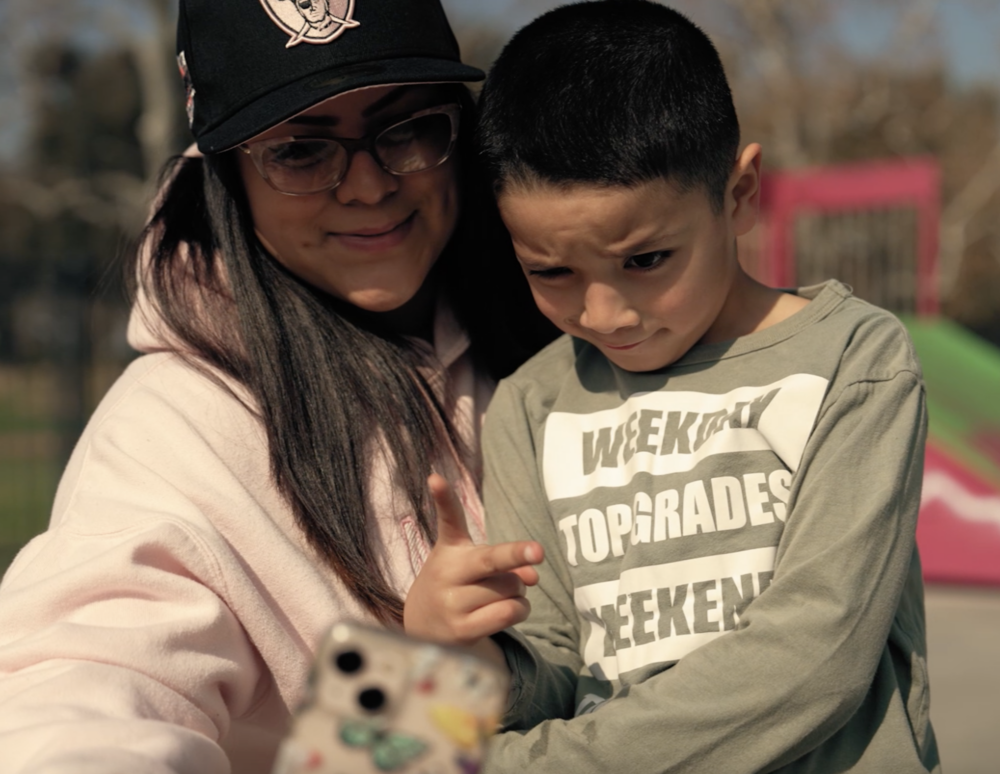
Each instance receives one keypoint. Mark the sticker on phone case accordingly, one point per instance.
(389, 750)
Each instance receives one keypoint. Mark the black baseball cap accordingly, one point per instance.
(251, 64)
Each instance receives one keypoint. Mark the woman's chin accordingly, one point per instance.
(381, 300)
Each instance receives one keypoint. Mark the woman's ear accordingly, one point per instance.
(743, 191)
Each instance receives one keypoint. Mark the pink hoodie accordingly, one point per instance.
(166, 620)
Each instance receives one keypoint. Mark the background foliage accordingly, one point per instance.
(91, 107)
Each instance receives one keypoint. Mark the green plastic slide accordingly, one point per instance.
(962, 373)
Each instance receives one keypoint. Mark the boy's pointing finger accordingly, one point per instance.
(507, 557)
(452, 529)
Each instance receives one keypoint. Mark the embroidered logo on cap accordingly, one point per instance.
(182, 65)
(311, 21)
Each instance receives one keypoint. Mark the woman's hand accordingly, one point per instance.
(466, 592)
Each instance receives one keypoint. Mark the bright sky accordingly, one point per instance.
(970, 29)
(969, 33)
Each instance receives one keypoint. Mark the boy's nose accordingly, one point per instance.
(365, 181)
(605, 310)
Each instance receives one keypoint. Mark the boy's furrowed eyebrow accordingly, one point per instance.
(652, 245)
(537, 264)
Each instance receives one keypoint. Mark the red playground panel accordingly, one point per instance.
(959, 528)
(790, 198)
(875, 226)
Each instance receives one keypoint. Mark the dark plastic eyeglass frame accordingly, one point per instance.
(255, 149)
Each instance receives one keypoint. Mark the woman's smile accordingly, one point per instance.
(376, 238)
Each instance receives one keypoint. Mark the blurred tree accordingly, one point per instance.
(104, 111)
(101, 87)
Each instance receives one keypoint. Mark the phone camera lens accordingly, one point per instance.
(349, 661)
(371, 699)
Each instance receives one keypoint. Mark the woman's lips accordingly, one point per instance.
(377, 238)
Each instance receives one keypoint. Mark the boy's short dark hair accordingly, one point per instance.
(615, 93)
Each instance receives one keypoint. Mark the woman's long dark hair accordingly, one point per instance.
(325, 383)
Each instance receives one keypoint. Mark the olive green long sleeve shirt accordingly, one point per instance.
(731, 580)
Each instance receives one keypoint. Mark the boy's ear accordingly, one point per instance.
(743, 192)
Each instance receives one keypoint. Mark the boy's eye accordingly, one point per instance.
(647, 261)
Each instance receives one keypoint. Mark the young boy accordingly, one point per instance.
(725, 477)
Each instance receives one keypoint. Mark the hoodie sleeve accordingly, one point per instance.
(120, 652)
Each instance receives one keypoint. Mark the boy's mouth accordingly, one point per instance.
(623, 347)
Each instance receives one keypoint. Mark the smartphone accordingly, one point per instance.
(378, 701)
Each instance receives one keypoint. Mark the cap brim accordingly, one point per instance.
(289, 100)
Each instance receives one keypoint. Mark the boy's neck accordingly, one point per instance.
(752, 307)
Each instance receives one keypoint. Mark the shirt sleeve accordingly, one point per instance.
(543, 653)
(806, 651)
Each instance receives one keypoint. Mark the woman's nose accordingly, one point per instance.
(365, 181)
(606, 310)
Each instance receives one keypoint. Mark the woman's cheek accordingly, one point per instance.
(446, 203)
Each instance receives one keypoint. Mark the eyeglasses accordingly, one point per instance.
(307, 165)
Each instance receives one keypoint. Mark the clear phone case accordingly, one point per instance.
(380, 702)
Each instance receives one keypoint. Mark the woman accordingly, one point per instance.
(306, 296)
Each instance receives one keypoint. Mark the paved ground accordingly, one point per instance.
(963, 632)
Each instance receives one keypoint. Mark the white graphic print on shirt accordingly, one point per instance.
(645, 476)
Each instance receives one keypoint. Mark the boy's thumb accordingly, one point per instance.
(451, 525)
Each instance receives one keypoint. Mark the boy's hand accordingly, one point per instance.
(467, 592)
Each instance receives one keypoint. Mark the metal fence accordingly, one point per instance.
(871, 250)
(874, 226)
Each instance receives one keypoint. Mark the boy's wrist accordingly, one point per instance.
(490, 651)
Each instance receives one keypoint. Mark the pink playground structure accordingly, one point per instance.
(875, 226)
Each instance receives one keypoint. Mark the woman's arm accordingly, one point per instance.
(144, 625)
(118, 655)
